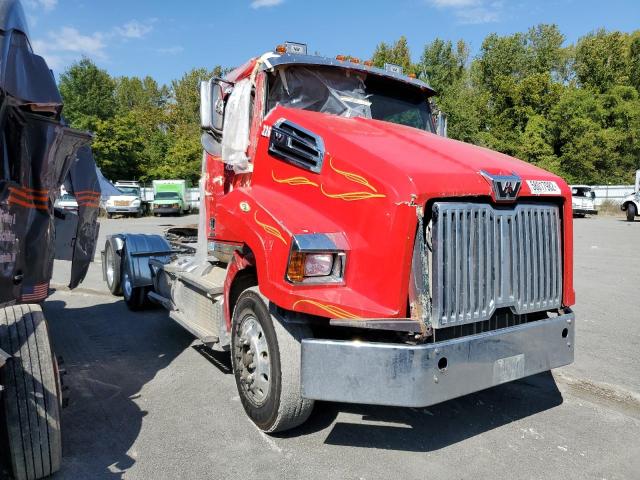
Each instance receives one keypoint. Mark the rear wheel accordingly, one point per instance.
(631, 212)
(134, 297)
(31, 399)
(266, 358)
(112, 267)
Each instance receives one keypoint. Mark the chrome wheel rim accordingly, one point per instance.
(252, 359)
(110, 267)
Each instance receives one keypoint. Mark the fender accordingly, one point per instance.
(238, 263)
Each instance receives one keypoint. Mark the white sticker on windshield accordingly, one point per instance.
(543, 187)
(357, 101)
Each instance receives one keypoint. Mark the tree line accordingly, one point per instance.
(573, 109)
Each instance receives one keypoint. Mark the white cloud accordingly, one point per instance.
(472, 11)
(175, 50)
(46, 5)
(67, 41)
(454, 3)
(134, 29)
(65, 45)
(265, 3)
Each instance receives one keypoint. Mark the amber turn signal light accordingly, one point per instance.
(295, 270)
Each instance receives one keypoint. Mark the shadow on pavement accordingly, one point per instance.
(436, 427)
(109, 355)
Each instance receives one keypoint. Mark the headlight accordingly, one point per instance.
(316, 267)
(176, 205)
(135, 203)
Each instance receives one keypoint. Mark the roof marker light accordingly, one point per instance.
(393, 68)
(296, 48)
(354, 60)
(293, 48)
(368, 63)
(341, 58)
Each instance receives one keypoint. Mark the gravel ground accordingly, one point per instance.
(146, 403)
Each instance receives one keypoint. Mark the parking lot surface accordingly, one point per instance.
(145, 402)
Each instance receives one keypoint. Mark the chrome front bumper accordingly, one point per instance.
(169, 210)
(423, 375)
(111, 209)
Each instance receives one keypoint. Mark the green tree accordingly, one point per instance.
(119, 147)
(602, 60)
(442, 65)
(398, 54)
(88, 93)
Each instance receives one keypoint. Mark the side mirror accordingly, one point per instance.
(211, 106)
(593, 195)
(441, 124)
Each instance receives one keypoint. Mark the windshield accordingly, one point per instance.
(129, 191)
(167, 196)
(347, 93)
(67, 197)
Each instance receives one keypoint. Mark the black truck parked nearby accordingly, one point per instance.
(38, 154)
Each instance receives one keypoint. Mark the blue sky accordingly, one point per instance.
(165, 38)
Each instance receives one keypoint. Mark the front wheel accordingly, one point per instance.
(631, 212)
(266, 357)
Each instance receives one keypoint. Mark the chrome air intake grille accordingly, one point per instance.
(486, 258)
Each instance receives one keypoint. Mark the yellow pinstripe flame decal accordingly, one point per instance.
(294, 180)
(336, 312)
(352, 196)
(346, 196)
(269, 229)
(354, 177)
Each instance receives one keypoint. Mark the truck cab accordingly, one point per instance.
(127, 202)
(170, 197)
(583, 201)
(631, 203)
(348, 253)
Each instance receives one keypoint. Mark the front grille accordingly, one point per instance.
(486, 258)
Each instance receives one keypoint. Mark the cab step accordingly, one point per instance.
(202, 284)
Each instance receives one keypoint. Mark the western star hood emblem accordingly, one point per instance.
(505, 187)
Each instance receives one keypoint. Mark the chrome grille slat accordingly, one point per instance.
(486, 258)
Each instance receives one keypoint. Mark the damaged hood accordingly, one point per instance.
(414, 162)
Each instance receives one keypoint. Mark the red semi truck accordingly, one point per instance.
(346, 252)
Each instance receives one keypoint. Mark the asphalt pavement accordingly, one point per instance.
(146, 402)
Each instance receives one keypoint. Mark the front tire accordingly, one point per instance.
(31, 401)
(266, 357)
(631, 212)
